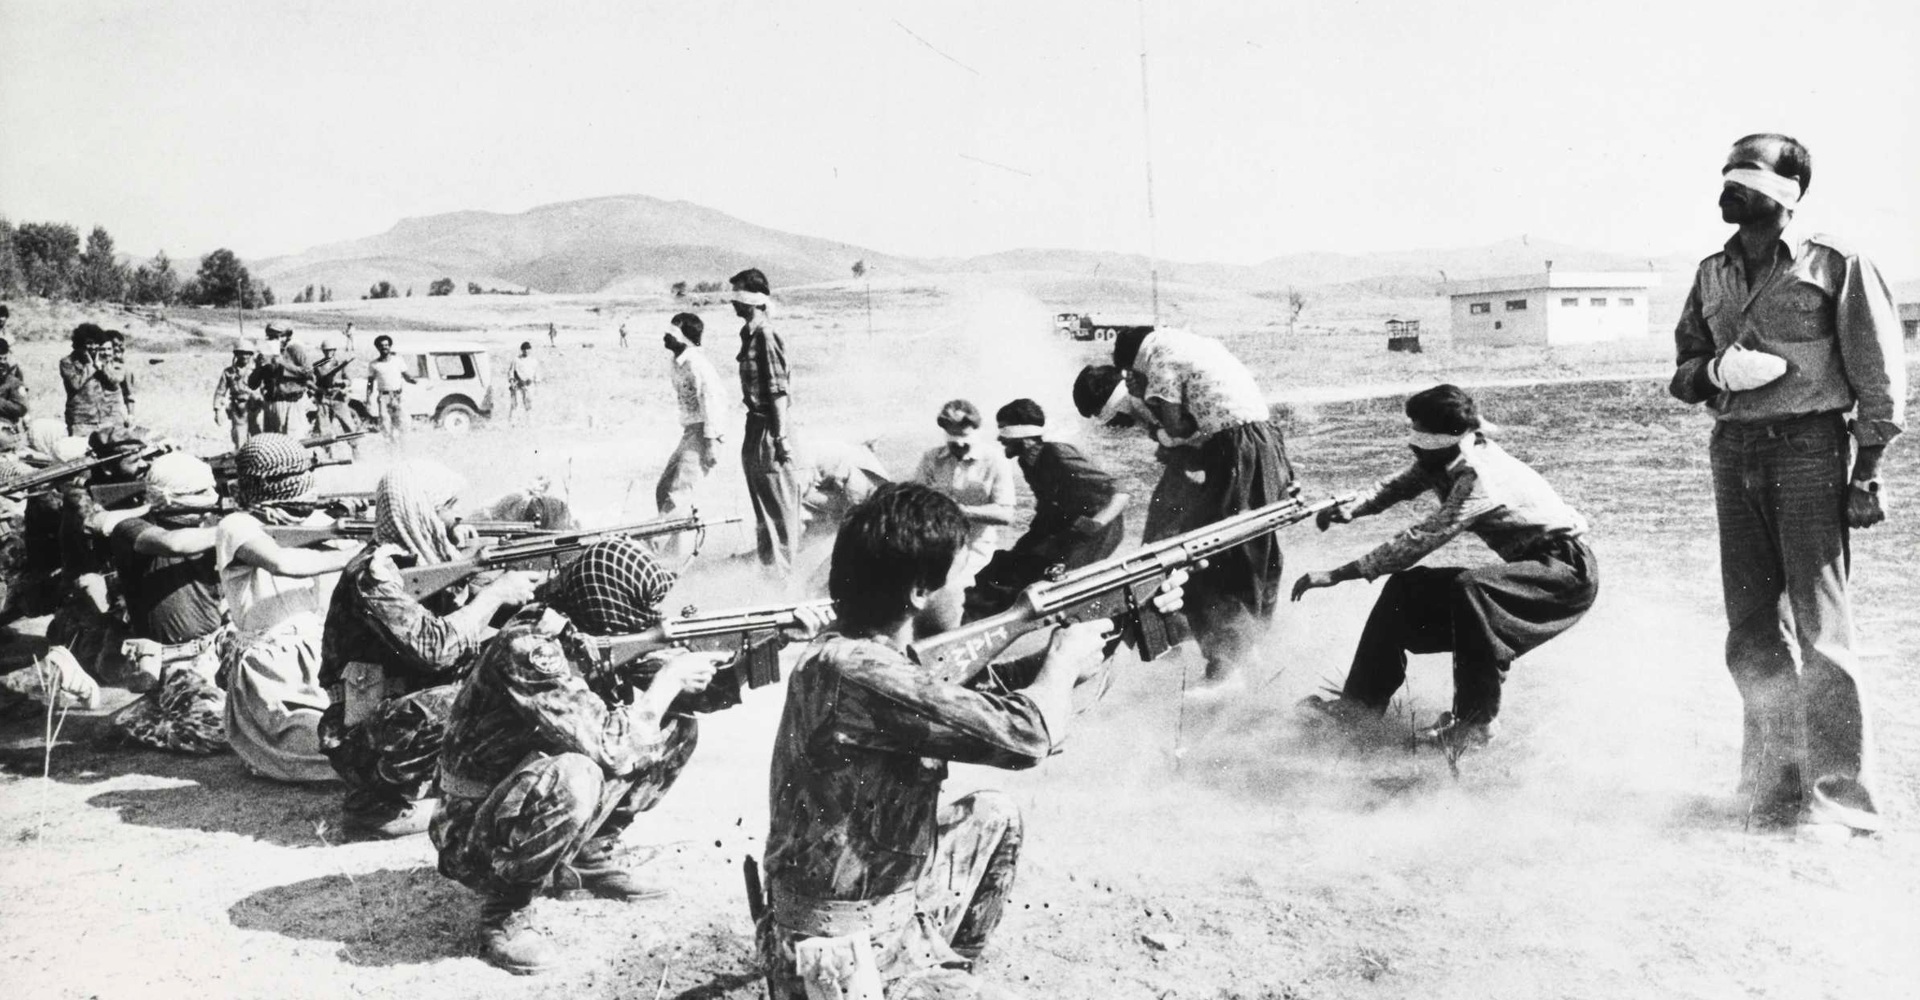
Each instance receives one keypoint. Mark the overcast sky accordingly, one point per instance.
(962, 127)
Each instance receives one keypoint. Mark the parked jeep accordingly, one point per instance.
(452, 382)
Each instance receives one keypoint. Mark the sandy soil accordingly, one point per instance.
(1176, 849)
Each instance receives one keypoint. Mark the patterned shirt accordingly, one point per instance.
(863, 745)
(1485, 491)
(1202, 377)
(982, 478)
(372, 619)
(1066, 486)
(763, 370)
(528, 691)
(1825, 310)
(694, 385)
(94, 392)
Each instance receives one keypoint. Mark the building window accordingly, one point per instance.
(1597, 302)
(1479, 308)
(1626, 301)
(1516, 305)
(1570, 303)
(1496, 324)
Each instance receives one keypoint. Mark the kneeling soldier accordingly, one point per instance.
(871, 880)
(392, 665)
(541, 773)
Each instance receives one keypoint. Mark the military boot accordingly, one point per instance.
(594, 872)
(508, 938)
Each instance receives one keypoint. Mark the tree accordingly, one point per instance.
(383, 290)
(679, 289)
(266, 295)
(326, 294)
(1296, 301)
(473, 288)
(859, 268)
(49, 255)
(100, 278)
(155, 283)
(441, 286)
(223, 281)
(12, 281)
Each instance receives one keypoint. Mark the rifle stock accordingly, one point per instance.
(1121, 588)
(67, 470)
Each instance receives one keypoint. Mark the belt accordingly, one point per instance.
(840, 917)
(1781, 426)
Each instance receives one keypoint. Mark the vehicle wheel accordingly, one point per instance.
(457, 418)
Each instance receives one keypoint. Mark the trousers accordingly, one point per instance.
(388, 759)
(1780, 495)
(776, 502)
(1487, 617)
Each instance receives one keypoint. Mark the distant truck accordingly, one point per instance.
(1066, 322)
(1106, 326)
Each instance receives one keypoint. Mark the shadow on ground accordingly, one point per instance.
(387, 917)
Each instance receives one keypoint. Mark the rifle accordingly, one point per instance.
(63, 471)
(360, 528)
(226, 464)
(112, 493)
(341, 504)
(754, 635)
(1121, 588)
(552, 548)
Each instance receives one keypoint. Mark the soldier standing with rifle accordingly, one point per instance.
(542, 769)
(332, 377)
(282, 381)
(874, 884)
(392, 665)
(233, 401)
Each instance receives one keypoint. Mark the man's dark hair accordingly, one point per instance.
(904, 536)
(87, 333)
(1022, 411)
(112, 337)
(382, 341)
(526, 345)
(1126, 344)
(958, 414)
(1093, 387)
(1794, 161)
(690, 327)
(750, 280)
(1443, 409)
(4, 311)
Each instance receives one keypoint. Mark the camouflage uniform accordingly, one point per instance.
(406, 662)
(859, 844)
(537, 768)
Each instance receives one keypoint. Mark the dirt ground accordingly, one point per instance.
(1176, 849)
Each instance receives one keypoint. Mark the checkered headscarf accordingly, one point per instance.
(271, 467)
(406, 510)
(613, 588)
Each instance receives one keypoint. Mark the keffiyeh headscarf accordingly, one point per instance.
(615, 587)
(406, 510)
(271, 467)
(178, 479)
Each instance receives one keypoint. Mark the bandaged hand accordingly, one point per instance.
(1740, 369)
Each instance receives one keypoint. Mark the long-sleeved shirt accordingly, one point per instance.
(1822, 308)
(980, 479)
(763, 370)
(372, 619)
(1202, 377)
(863, 745)
(1485, 491)
(13, 394)
(230, 394)
(528, 691)
(285, 376)
(696, 386)
(94, 392)
(1066, 486)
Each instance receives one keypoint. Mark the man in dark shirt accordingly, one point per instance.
(92, 379)
(765, 454)
(391, 665)
(542, 767)
(282, 379)
(1783, 337)
(13, 391)
(1076, 512)
(872, 883)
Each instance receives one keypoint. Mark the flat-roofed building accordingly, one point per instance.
(1551, 308)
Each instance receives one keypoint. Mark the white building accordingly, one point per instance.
(1552, 308)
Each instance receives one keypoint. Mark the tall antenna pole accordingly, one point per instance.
(1146, 132)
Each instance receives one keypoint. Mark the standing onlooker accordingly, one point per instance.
(13, 387)
(117, 359)
(347, 336)
(553, 336)
(522, 373)
(979, 480)
(696, 387)
(387, 378)
(766, 457)
(233, 401)
(92, 380)
(332, 379)
(282, 380)
(623, 335)
(1783, 337)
